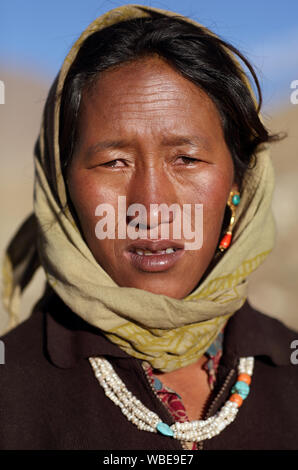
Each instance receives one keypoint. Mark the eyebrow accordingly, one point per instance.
(193, 141)
(107, 144)
(167, 141)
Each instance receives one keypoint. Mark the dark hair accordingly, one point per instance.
(195, 54)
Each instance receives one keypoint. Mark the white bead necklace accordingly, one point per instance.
(146, 420)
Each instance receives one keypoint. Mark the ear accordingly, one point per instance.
(235, 187)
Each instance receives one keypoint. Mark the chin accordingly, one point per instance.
(160, 287)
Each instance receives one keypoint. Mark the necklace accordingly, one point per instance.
(146, 420)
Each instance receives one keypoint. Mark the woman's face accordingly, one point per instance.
(148, 134)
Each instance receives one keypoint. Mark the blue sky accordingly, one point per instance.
(37, 34)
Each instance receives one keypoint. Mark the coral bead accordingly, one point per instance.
(225, 241)
(244, 378)
(236, 399)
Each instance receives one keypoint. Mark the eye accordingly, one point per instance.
(187, 160)
(114, 163)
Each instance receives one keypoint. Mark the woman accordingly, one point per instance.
(139, 339)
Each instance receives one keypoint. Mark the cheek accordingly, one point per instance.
(86, 193)
(212, 189)
(216, 199)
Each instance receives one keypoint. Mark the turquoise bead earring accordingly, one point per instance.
(233, 202)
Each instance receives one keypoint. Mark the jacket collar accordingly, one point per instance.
(69, 338)
(248, 333)
(252, 333)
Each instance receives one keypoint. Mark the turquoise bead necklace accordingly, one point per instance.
(146, 420)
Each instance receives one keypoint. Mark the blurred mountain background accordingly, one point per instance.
(274, 287)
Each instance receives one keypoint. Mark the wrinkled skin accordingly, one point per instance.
(172, 150)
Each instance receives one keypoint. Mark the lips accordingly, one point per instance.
(154, 256)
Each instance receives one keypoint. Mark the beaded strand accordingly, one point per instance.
(146, 420)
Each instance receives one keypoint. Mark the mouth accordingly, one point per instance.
(154, 256)
(145, 252)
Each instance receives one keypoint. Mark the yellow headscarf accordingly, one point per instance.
(167, 332)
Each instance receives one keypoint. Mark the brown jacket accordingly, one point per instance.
(50, 399)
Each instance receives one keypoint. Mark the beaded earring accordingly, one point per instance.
(233, 201)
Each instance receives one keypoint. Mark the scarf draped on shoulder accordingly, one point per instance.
(169, 333)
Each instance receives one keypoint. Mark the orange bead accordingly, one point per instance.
(244, 378)
(236, 399)
(225, 241)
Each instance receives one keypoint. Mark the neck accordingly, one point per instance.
(191, 383)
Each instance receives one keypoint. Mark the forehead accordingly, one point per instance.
(148, 92)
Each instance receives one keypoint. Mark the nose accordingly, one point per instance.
(153, 193)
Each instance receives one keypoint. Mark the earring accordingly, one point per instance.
(233, 201)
